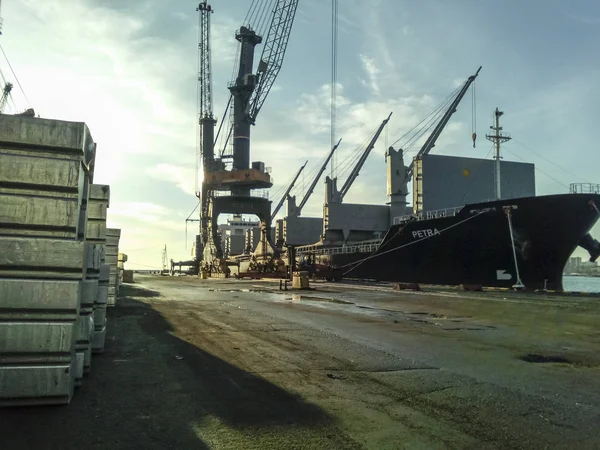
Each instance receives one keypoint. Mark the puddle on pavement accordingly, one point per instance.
(542, 359)
(300, 297)
(473, 328)
(242, 290)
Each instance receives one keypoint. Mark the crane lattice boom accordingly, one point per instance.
(273, 53)
(205, 102)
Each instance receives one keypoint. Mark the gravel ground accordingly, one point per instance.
(224, 364)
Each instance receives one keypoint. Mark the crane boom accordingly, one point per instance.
(354, 174)
(205, 104)
(316, 180)
(287, 192)
(273, 53)
(431, 140)
(205, 101)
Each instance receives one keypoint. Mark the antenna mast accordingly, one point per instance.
(498, 138)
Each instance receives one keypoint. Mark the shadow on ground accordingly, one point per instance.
(150, 389)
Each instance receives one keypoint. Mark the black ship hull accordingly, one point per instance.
(475, 245)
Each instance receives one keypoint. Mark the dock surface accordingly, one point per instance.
(227, 364)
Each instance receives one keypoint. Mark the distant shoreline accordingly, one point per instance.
(580, 275)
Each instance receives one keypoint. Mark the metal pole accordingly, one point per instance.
(519, 284)
(498, 185)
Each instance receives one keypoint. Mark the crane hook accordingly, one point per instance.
(474, 139)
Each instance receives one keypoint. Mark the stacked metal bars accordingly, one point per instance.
(46, 167)
(99, 201)
(112, 258)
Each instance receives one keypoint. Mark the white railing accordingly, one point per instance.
(358, 247)
(584, 188)
(426, 215)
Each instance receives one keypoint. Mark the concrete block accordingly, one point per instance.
(94, 254)
(29, 341)
(112, 241)
(39, 299)
(51, 135)
(112, 300)
(83, 345)
(122, 257)
(79, 361)
(96, 211)
(39, 216)
(49, 384)
(99, 339)
(99, 316)
(100, 193)
(31, 171)
(87, 358)
(102, 297)
(111, 260)
(41, 258)
(113, 232)
(300, 280)
(128, 276)
(104, 271)
(89, 294)
(96, 231)
(84, 326)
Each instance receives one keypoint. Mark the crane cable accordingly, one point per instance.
(432, 116)
(333, 100)
(474, 114)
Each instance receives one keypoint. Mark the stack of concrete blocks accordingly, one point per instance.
(113, 235)
(46, 167)
(99, 201)
(122, 259)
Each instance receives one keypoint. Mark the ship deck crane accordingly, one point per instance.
(338, 196)
(316, 179)
(287, 192)
(399, 175)
(437, 131)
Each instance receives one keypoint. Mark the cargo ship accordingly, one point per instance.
(522, 243)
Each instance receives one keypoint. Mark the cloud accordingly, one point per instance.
(182, 177)
(372, 71)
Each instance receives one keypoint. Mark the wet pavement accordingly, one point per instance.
(229, 364)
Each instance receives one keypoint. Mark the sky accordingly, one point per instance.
(129, 70)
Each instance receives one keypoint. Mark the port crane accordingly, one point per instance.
(248, 93)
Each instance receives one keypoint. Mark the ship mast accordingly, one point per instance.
(498, 138)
